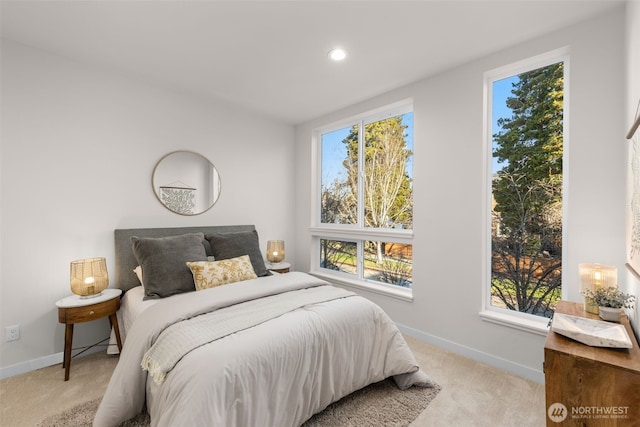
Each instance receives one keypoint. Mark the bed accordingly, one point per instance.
(241, 346)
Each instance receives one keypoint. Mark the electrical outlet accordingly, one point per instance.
(12, 333)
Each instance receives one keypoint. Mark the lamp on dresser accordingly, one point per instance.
(594, 276)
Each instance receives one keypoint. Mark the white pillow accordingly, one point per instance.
(138, 271)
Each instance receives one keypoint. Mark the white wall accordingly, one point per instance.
(78, 149)
(633, 100)
(448, 198)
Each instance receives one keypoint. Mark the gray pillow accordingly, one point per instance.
(164, 263)
(235, 244)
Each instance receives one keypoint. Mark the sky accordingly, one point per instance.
(501, 91)
(334, 151)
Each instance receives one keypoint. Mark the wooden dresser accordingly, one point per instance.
(593, 386)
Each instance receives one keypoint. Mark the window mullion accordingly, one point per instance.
(361, 196)
(360, 271)
(361, 173)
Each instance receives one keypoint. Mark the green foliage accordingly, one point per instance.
(531, 140)
(610, 297)
(530, 144)
(506, 290)
(341, 256)
(527, 243)
(388, 192)
(523, 278)
(337, 255)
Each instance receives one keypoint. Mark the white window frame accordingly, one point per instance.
(353, 232)
(511, 318)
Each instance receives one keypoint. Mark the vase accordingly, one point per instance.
(610, 314)
(590, 305)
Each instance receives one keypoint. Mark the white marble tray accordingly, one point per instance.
(591, 332)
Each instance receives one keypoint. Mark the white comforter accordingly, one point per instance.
(278, 373)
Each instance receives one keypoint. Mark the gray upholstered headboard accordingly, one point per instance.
(126, 261)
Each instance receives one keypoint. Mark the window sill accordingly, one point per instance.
(403, 294)
(346, 232)
(535, 326)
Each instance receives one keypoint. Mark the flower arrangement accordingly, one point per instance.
(610, 297)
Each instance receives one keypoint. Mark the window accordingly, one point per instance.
(364, 213)
(526, 130)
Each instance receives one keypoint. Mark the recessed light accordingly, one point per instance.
(337, 54)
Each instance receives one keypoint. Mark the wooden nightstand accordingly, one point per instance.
(280, 267)
(74, 309)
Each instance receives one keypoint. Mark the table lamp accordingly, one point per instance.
(595, 276)
(89, 277)
(275, 251)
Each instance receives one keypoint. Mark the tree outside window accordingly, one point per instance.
(366, 184)
(526, 226)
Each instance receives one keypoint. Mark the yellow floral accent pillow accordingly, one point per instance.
(211, 274)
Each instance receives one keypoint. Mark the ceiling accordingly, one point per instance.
(271, 56)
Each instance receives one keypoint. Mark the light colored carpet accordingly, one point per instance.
(380, 404)
(82, 416)
(472, 395)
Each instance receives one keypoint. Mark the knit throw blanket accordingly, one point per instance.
(183, 337)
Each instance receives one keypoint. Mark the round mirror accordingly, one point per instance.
(186, 183)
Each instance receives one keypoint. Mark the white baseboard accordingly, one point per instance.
(39, 363)
(30, 365)
(496, 362)
(479, 356)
